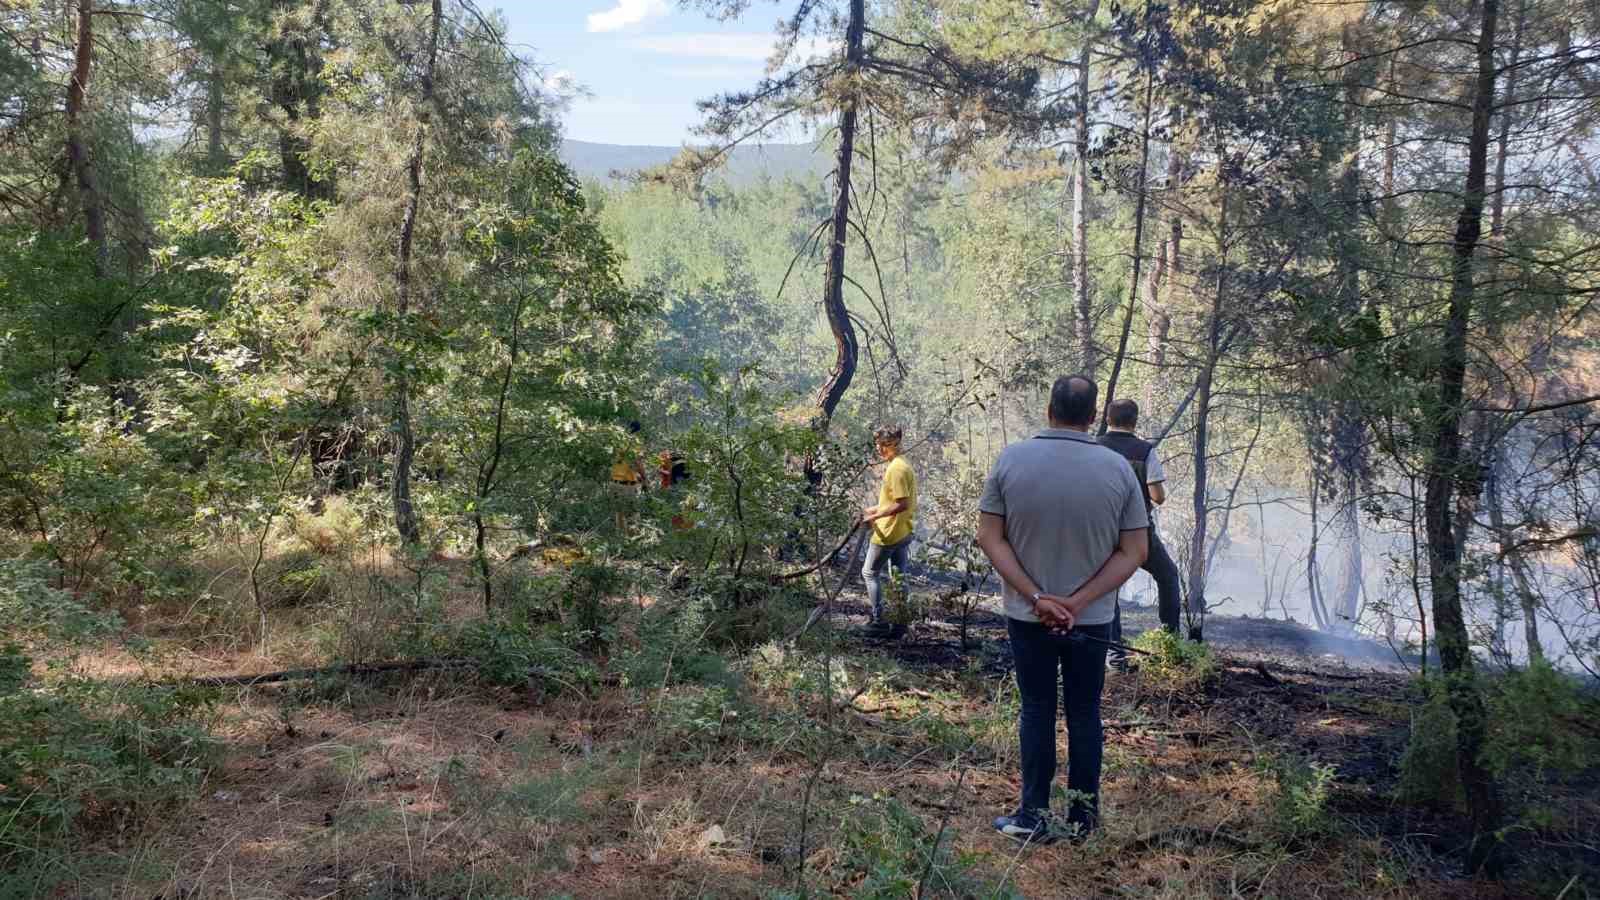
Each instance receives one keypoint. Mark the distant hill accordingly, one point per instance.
(746, 163)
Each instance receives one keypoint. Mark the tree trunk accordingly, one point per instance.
(1087, 355)
(1350, 586)
(1496, 454)
(1530, 609)
(1164, 272)
(1196, 598)
(1319, 613)
(405, 516)
(1138, 242)
(216, 154)
(80, 168)
(1444, 471)
(844, 333)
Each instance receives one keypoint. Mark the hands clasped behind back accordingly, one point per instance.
(1055, 611)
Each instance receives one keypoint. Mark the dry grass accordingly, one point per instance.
(435, 787)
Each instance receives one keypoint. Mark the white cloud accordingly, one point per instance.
(750, 46)
(627, 12)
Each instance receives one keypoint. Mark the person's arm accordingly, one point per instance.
(873, 513)
(1050, 608)
(1155, 477)
(1132, 548)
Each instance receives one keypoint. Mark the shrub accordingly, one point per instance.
(74, 753)
(510, 653)
(1541, 720)
(1300, 805)
(1174, 662)
(672, 648)
(884, 850)
(1537, 724)
(1428, 773)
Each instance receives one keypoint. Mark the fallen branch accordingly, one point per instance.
(789, 576)
(412, 665)
(827, 604)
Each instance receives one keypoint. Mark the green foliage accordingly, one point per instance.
(1538, 727)
(514, 654)
(1300, 801)
(75, 753)
(1541, 722)
(1175, 663)
(672, 647)
(1428, 770)
(885, 849)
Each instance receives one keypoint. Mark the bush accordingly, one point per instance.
(295, 578)
(1541, 720)
(1428, 773)
(884, 849)
(1538, 724)
(74, 753)
(672, 648)
(510, 653)
(1175, 663)
(1300, 805)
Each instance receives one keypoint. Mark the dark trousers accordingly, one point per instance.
(1043, 661)
(1168, 603)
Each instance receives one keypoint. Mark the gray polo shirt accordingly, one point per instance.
(1066, 501)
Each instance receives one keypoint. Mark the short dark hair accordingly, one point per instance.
(1072, 400)
(888, 434)
(1122, 414)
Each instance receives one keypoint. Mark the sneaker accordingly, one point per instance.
(877, 628)
(1025, 829)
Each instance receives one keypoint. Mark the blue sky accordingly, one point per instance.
(643, 63)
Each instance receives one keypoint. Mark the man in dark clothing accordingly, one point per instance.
(1062, 520)
(1121, 419)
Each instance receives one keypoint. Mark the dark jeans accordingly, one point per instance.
(1039, 657)
(1168, 604)
(878, 556)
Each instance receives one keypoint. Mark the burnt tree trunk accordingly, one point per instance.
(1444, 473)
(844, 333)
(405, 516)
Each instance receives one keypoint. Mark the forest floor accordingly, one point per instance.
(1273, 779)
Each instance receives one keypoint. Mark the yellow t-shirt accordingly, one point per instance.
(899, 482)
(623, 472)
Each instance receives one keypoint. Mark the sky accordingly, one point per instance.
(640, 64)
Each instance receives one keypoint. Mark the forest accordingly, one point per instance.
(319, 369)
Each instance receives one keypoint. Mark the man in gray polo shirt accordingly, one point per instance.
(1062, 519)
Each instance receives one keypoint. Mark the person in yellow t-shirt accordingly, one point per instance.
(891, 521)
(627, 476)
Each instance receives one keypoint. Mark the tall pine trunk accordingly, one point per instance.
(1444, 473)
(80, 167)
(1196, 597)
(846, 348)
(405, 515)
(1088, 359)
(1138, 230)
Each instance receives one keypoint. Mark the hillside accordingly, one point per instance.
(747, 163)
